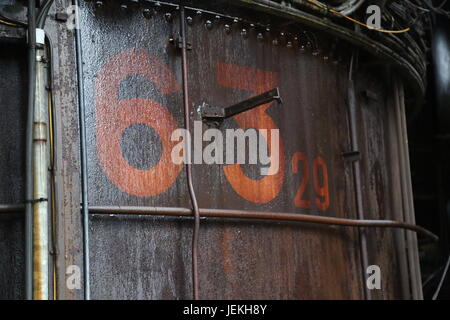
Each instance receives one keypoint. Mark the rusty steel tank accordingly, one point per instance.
(124, 75)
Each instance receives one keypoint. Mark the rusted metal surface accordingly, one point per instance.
(12, 130)
(226, 248)
(68, 251)
(227, 64)
(125, 69)
(379, 177)
(134, 100)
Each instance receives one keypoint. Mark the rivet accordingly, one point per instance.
(235, 20)
(123, 7)
(227, 29)
(289, 44)
(208, 24)
(275, 42)
(189, 20)
(148, 13)
(302, 48)
(260, 37)
(316, 53)
(244, 33)
(99, 4)
(168, 17)
(217, 17)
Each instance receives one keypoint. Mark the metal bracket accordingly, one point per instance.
(351, 156)
(215, 113)
(178, 43)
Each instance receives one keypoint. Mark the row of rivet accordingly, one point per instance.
(149, 12)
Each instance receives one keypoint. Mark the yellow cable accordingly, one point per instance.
(8, 23)
(320, 5)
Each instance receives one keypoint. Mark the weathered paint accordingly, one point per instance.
(150, 257)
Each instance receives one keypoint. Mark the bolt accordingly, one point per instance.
(168, 17)
(289, 45)
(227, 29)
(123, 7)
(189, 20)
(260, 37)
(244, 33)
(275, 42)
(208, 24)
(148, 13)
(99, 4)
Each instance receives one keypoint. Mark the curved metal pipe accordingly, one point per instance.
(373, 47)
(276, 216)
(192, 195)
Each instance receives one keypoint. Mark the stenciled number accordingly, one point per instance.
(319, 169)
(114, 115)
(255, 81)
(321, 189)
(298, 200)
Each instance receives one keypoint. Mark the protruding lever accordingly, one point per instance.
(220, 113)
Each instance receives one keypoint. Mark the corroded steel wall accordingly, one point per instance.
(12, 123)
(133, 92)
(134, 102)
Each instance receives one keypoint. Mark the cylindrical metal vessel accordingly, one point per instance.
(342, 152)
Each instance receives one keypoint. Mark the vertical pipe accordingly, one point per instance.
(29, 151)
(83, 159)
(195, 281)
(397, 200)
(357, 170)
(40, 174)
(411, 239)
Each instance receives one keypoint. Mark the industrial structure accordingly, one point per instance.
(92, 206)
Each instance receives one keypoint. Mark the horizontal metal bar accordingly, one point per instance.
(214, 112)
(277, 216)
(11, 208)
(243, 214)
